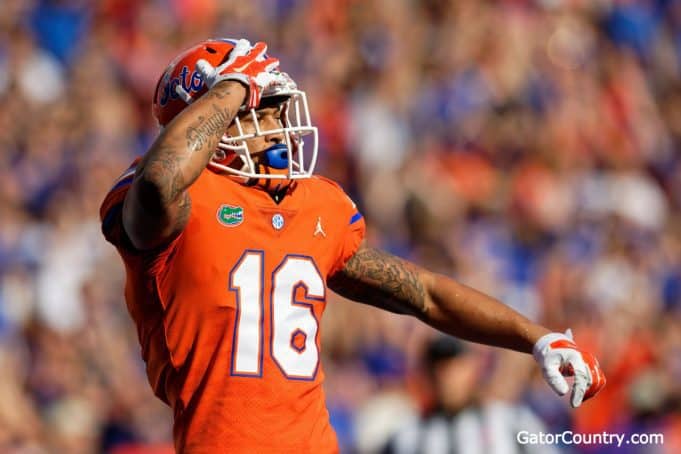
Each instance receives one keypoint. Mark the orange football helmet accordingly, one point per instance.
(181, 84)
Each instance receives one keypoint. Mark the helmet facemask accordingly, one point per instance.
(295, 161)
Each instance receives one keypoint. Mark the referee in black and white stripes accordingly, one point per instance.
(458, 423)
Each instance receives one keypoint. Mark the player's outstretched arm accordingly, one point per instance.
(379, 279)
(158, 205)
(382, 280)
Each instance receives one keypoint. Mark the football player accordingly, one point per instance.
(230, 242)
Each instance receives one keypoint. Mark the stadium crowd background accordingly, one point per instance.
(531, 149)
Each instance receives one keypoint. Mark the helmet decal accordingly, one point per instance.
(190, 82)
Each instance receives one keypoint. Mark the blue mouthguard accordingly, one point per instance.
(277, 156)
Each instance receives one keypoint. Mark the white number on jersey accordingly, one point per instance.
(293, 327)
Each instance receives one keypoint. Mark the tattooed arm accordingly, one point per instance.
(157, 206)
(379, 279)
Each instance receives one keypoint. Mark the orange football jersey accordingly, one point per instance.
(228, 313)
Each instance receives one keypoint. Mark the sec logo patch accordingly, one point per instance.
(278, 221)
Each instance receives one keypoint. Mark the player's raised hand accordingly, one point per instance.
(559, 357)
(246, 64)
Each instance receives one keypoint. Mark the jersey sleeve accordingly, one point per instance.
(354, 229)
(152, 261)
(111, 210)
(352, 239)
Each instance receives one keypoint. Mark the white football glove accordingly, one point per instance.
(559, 357)
(246, 64)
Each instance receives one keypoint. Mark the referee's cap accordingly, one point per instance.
(443, 347)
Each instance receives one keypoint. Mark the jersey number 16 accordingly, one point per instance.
(293, 326)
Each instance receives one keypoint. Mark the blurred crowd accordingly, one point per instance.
(528, 148)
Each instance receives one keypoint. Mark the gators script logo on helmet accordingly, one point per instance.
(182, 72)
(181, 84)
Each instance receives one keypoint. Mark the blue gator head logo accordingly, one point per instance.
(190, 82)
